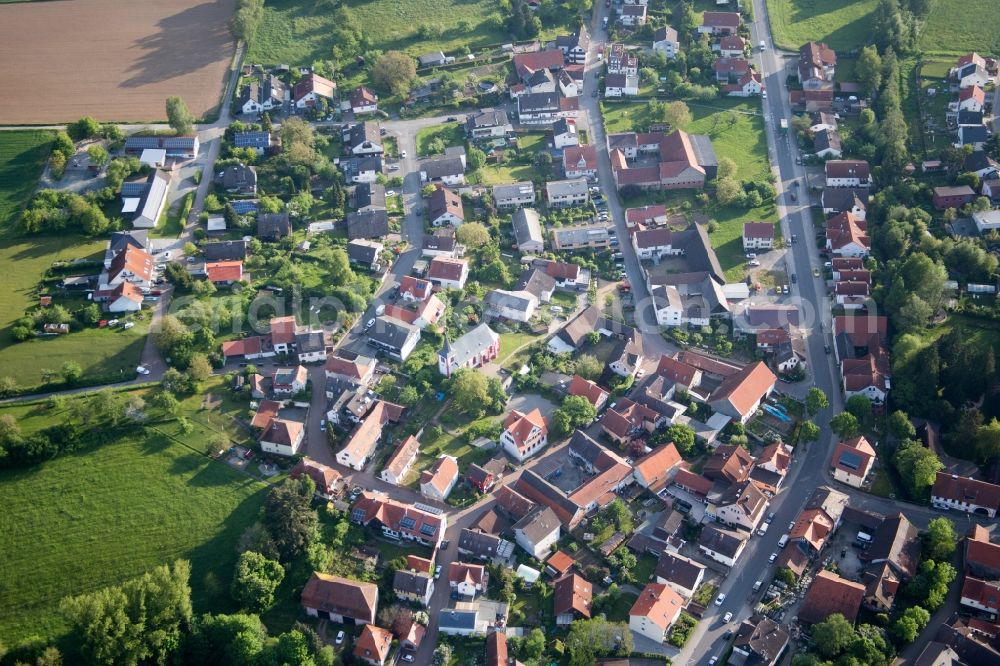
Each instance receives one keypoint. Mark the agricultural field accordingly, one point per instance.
(975, 28)
(134, 56)
(737, 132)
(297, 32)
(95, 518)
(842, 24)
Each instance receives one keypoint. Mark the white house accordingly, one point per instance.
(742, 505)
(960, 493)
(524, 435)
(847, 173)
(126, 297)
(564, 133)
(401, 461)
(723, 546)
(665, 41)
(618, 85)
(758, 235)
(852, 461)
(538, 531)
(438, 481)
(987, 220)
(448, 273)
(654, 243)
(655, 611)
(283, 437)
(513, 305)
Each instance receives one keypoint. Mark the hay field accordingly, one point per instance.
(110, 59)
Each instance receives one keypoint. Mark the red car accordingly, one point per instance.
(156, 292)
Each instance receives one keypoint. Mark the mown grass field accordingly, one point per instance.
(451, 134)
(843, 24)
(973, 25)
(25, 260)
(298, 33)
(737, 132)
(85, 521)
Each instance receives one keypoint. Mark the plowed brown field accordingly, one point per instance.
(111, 59)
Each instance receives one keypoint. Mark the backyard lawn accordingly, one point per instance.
(451, 134)
(500, 174)
(95, 518)
(737, 132)
(842, 24)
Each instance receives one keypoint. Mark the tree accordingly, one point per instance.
(987, 441)
(199, 368)
(917, 467)
(682, 436)
(939, 539)
(475, 158)
(98, 155)
(255, 581)
(588, 366)
(543, 164)
(71, 372)
(576, 411)
(470, 391)
(808, 431)
(729, 191)
(8, 385)
(84, 128)
(845, 425)
(472, 234)
(394, 72)
(833, 635)
(868, 69)
(816, 401)
(727, 167)
(289, 517)
(676, 114)
(909, 624)
(178, 116)
(899, 425)
(141, 620)
(588, 639)
(860, 406)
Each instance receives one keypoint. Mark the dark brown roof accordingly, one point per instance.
(897, 542)
(829, 594)
(341, 595)
(729, 463)
(572, 594)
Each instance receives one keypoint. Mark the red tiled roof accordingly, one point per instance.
(560, 562)
(659, 604)
(594, 394)
(224, 271)
(373, 644)
(963, 489)
(676, 371)
(979, 550)
(857, 447)
(745, 388)
(693, 482)
(350, 597)
(986, 593)
(441, 474)
(656, 466)
(520, 425)
(283, 330)
(758, 230)
(829, 594)
(526, 63)
(848, 169)
(572, 594)
(444, 268)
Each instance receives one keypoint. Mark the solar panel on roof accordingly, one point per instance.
(244, 207)
(357, 515)
(407, 523)
(850, 460)
(133, 189)
(427, 529)
(252, 140)
(135, 142)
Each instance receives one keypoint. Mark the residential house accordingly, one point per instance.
(329, 482)
(628, 354)
(564, 134)
(740, 395)
(537, 531)
(467, 580)
(224, 272)
(438, 481)
(496, 649)
(730, 46)
(580, 162)
(544, 108)
(720, 23)
(126, 297)
(817, 66)
(175, 146)
(655, 611)
(633, 15)
(581, 237)
(618, 85)
(559, 564)
(971, 98)
(401, 461)
(528, 231)
(628, 419)
(240, 179)
(363, 169)
(312, 346)
(588, 389)
(448, 273)
(288, 381)
(567, 193)
(730, 69)
(852, 461)
(283, 437)
(951, 491)
(137, 238)
(654, 215)
(621, 61)
(365, 253)
(370, 223)
(723, 546)
(445, 207)
(413, 586)
(440, 243)
(340, 600)
(574, 46)
(683, 575)
(829, 594)
(868, 375)
(433, 59)
(488, 123)
(259, 141)
(827, 144)
(394, 336)
(514, 305)
(514, 195)
(567, 276)
(364, 439)
(400, 521)
(748, 85)
(364, 138)
(759, 641)
(363, 100)
(952, 196)
(696, 484)
(844, 200)
(743, 505)
(524, 434)
(654, 243)
(273, 226)
(847, 235)
(982, 557)
(484, 477)
(988, 220)
(483, 546)
(665, 41)
(310, 89)
(685, 160)
(447, 169)
(572, 597)
(758, 235)
(230, 250)
(474, 349)
(817, 521)
(654, 470)
(983, 596)
(971, 74)
(350, 368)
(847, 173)
(373, 645)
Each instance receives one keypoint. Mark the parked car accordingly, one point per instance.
(369, 323)
(720, 599)
(322, 425)
(402, 153)
(437, 572)
(773, 557)
(408, 657)
(340, 637)
(142, 370)
(727, 617)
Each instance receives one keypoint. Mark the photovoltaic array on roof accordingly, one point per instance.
(427, 529)
(357, 515)
(142, 142)
(252, 140)
(133, 189)
(407, 523)
(244, 207)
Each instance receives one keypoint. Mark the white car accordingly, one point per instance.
(340, 637)
(407, 657)
(720, 599)
(393, 167)
(763, 94)
(437, 572)
(402, 153)
(727, 617)
(369, 323)
(753, 263)
(142, 370)
(127, 325)
(112, 322)
(773, 557)
(390, 193)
